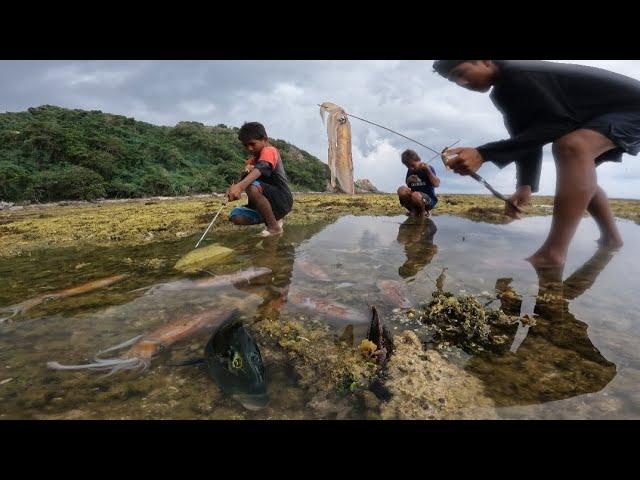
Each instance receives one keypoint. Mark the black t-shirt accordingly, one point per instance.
(542, 101)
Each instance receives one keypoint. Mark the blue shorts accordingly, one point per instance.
(252, 215)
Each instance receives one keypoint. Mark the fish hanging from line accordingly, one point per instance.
(339, 156)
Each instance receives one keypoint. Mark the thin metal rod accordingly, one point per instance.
(481, 180)
(439, 155)
(207, 230)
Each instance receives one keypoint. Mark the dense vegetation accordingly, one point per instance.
(50, 153)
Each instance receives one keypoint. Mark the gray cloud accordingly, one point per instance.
(403, 95)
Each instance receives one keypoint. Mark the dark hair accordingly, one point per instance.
(409, 155)
(252, 131)
(443, 67)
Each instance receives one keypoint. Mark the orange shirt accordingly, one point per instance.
(268, 154)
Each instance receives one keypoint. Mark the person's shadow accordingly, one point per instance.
(416, 234)
(556, 359)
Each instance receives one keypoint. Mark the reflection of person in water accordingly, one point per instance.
(278, 254)
(556, 360)
(416, 234)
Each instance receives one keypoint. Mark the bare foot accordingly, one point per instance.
(610, 242)
(267, 232)
(546, 259)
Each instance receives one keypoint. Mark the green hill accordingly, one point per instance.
(51, 153)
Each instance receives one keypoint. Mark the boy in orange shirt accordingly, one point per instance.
(265, 182)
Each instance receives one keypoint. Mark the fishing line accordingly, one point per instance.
(473, 175)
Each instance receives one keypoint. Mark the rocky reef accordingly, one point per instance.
(365, 186)
(328, 369)
(343, 381)
(424, 385)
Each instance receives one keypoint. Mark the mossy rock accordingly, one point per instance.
(203, 257)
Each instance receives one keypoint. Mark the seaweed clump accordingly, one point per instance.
(329, 370)
(488, 215)
(464, 322)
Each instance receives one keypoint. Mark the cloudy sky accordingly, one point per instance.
(403, 95)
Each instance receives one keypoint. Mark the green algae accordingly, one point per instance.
(200, 258)
(463, 321)
(140, 221)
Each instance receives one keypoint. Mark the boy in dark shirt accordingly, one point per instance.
(265, 182)
(591, 116)
(419, 196)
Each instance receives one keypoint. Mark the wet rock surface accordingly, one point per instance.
(144, 221)
(424, 385)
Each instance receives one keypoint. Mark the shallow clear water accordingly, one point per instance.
(579, 360)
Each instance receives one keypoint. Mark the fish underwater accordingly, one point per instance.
(146, 347)
(23, 307)
(234, 362)
(395, 292)
(312, 270)
(325, 307)
(243, 277)
(339, 157)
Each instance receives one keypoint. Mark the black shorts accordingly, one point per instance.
(280, 199)
(622, 128)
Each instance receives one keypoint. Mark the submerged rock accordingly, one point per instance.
(329, 370)
(342, 381)
(155, 263)
(202, 257)
(465, 322)
(423, 385)
(487, 214)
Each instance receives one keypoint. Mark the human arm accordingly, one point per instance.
(528, 168)
(431, 174)
(234, 192)
(262, 167)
